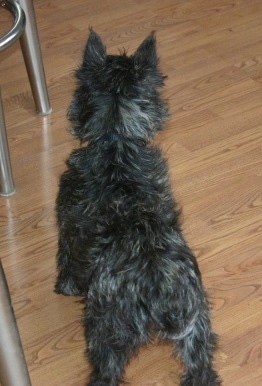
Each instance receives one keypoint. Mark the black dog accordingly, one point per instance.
(120, 243)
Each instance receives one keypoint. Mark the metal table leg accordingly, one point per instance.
(33, 60)
(13, 368)
(6, 179)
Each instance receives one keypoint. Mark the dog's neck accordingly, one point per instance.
(112, 138)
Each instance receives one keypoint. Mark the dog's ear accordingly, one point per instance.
(95, 51)
(146, 54)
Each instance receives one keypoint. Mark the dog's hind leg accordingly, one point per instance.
(194, 341)
(195, 345)
(186, 322)
(110, 345)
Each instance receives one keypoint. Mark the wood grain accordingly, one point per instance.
(212, 54)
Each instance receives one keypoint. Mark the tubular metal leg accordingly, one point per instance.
(6, 179)
(13, 368)
(33, 60)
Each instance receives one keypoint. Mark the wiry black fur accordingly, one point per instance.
(120, 243)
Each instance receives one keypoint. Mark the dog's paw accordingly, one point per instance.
(67, 287)
(100, 383)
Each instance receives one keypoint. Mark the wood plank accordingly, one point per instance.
(211, 52)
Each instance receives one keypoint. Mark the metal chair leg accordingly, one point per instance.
(6, 179)
(33, 60)
(13, 368)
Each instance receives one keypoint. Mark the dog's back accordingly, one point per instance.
(121, 213)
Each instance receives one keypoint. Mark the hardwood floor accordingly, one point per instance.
(212, 54)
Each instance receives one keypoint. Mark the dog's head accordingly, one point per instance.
(118, 94)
